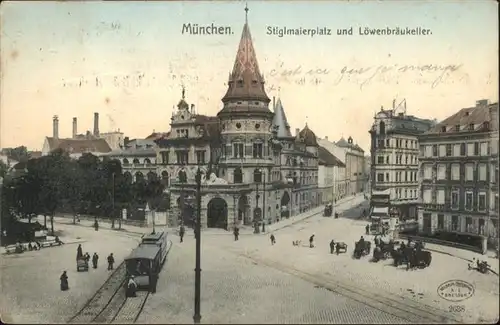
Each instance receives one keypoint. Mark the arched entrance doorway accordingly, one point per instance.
(285, 210)
(217, 213)
(187, 210)
(243, 206)
(257, 214)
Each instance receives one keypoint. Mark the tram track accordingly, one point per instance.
(402, 308)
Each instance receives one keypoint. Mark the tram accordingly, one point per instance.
(158, 239)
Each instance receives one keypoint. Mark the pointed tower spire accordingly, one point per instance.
(280, 122)
(245, 81)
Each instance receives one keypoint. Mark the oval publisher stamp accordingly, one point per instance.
(455, 290)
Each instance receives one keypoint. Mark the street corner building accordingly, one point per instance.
(254, 170)
(459, 175)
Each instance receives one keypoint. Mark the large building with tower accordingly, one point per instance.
(394, 158)
(254, 170)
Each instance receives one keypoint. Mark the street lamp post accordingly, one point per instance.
(256, 225)
(197, 279)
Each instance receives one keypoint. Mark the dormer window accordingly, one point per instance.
(471, 127)
(254, 82)
(443, 129)
(457, 127)
(486, 125)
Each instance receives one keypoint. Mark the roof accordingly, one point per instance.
(280, 122)
(141, 143)
(348, 144)
(35, 154)
(309, 137)
(79, 145)
(132, 152)
(155, 236)
(144, 251)
(483, 117)
(245, 81)
(328, 159)
(156, 135)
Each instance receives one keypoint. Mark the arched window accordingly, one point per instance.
(182, 176)
(151, 176)
(128, 177)
(147, 161)
(382, 127)
(257, 176)
(164, 177)
(136, 161)
(125, 161)
(139, 177)
(238, 176)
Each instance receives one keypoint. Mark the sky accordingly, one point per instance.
(129, 60)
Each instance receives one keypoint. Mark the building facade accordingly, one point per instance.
(327, 172)
(394, 158)
(339, 170)
(354, 162)
(459, 174)
(253, 170)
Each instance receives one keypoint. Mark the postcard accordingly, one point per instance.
(259, 162)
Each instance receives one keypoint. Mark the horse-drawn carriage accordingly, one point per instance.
(340, 247)
(361, 248)
(413, 257)
(328, 210)
(383, 250)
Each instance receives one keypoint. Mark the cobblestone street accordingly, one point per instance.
(30, 281)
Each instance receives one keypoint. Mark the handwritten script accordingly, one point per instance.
(431, 74)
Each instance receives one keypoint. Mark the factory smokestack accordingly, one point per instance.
(55, 127)
(75, 130)
(96, 124)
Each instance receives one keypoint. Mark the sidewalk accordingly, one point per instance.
(464, 254)
(340, 207)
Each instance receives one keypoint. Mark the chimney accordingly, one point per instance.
(192, 108)
(74, 127)
(393, 104)
(274, 104)
(96, 124)
(55, 127)
(297, 130)
(326, 138)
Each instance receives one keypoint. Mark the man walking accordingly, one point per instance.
(182, 230)
(367, 229)
(79, 252)
(236, 233)
(95, 259)
(273, 239)
(332, 246)
(311, 241)
(111, 261)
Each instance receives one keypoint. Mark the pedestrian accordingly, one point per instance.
(111, 261)
(79, 252)
(86, 257)
(64, 281)
(311, 241)
(337, 248)
(236, 233)
(367, 229)
(273, 239)
(182, 230)
(131, 287)
(95, 259)
(332, 246)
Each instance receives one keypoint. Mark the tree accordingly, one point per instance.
(153, 194)
(73, 192)
(19, 154)
(25, 193)
(112, 173)
(4, 168)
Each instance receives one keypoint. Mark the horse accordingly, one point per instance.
(361, 248)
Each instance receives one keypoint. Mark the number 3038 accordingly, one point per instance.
(456, 308)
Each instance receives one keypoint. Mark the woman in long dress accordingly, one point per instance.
(64, 281)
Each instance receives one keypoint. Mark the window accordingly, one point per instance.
(238, 150)
(406, 193)
(471, 127)
(493, 174)
(200, 157)
(380, 177)
(257, 150)
(428, 151)
(406, 160)
(448, 150)
(164, 157)
(470, 149)
(257, 176)
(182, 176)
(441, 171)
(482, 172)
(456, 150)
(380, 159)
(462, 149)
(182, 157)
(454, 223)
(427, 196)
(469, 172)
(481, 201)
(440, 196)
(457, 127)
(238, 176)
(481, 226)
(476, 149)
(427, 172)
(440, 224)
(397, 176)
(387, 159)
(442, 150)
(468, 224)
(434, 150)
(125, 161)
(484, 149)
(387, 177)
(469, 200)
(454, 199)
(387, 143)
(455, 172)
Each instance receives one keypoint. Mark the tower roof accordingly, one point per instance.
(245, 81)
(280, 121)
(308, 136)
